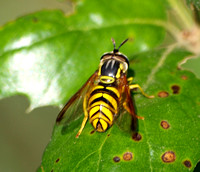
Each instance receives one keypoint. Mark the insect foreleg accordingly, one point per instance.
(130, 79)
(137, 86)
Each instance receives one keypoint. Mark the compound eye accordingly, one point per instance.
(101, 57)
(104, 55)
(124, 67)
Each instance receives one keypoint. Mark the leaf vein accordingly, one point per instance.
(100, 148)
(84, 159)
(150, 78)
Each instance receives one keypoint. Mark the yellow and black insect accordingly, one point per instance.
(105, 94)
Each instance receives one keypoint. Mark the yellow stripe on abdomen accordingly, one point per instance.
(97, 95)
(113, 89)
(108, 113)
(100, 125)
(101, 113)
(111, 100)
(103, 105)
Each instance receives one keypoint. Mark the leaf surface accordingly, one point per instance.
(179, 111)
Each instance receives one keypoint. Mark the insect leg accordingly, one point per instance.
(130, 111)
(130, 79)
(137, 86)
(85, 117)
(129, 107)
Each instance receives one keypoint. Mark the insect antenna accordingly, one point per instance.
(113, 41)
(122, 43)
(116, 50)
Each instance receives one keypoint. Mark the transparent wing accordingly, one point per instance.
(73, 109)
(127, 118)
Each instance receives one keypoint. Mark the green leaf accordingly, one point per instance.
(180, 110)
(193, 66)
(43, 54)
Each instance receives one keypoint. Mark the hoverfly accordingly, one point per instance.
(104, 94)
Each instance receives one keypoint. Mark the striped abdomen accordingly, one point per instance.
(103, 105)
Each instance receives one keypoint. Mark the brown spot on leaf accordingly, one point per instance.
(184, 77)
(164, 124)
(108, 135)
(128, 156)
(92, 132)
(175, 89)
(137, 137)
(57, 160)
(187, 163)
(35, 20)
(116, 159)
(163, 94)
(168, 157)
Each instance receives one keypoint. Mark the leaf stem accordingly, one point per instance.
(183, 13)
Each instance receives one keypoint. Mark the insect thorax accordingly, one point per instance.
(112, 66)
